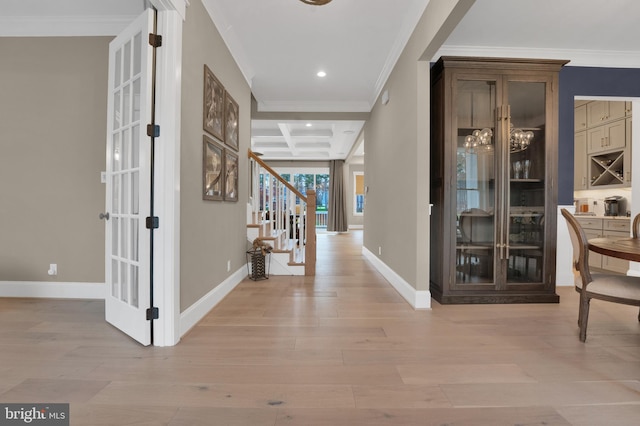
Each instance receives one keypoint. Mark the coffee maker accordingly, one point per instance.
(614, 206)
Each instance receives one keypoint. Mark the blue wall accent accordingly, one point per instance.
(585, 81)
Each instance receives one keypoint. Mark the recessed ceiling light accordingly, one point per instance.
(321, 74)
(348, 132)
(308, 124)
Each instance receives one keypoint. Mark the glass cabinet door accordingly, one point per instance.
(475, 105)
(526, 187)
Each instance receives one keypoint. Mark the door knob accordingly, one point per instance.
(104, 216)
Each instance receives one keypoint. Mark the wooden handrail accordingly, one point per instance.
(276, 175)
(305, 223)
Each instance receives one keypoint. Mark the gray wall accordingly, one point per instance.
(212, 232)
(397, 151)
(52, 144)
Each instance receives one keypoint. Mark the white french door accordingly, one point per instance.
(127, 267)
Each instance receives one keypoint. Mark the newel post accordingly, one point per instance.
(310, 246)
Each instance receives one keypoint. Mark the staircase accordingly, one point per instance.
(284, 218)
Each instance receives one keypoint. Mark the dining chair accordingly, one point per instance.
(608, 287)
(636, 226)
(476, 243)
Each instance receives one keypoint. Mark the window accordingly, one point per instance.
(310, 177)
(358, 193)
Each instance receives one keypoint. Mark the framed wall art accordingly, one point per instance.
(230, 175)
(212, 170)
(231, 115)
(213, 105)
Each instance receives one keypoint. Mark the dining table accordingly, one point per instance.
(624, 248)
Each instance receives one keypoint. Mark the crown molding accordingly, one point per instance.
(230, 38)
(409, 25)
(577, 57)
(63, 26)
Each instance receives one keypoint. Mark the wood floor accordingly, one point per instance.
(341, 348)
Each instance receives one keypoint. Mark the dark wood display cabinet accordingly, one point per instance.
(494, 164)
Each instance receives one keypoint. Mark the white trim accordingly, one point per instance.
(179, 6)
(194, 313)
(412, 17)
(54, 290)
(564, 250)
(356, 226)
(228, 34)
(167, 191)
(417, 299)
(63, 26)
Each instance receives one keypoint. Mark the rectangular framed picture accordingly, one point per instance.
(213, 105)
(231, 115)
(212, 170)
(230, 175)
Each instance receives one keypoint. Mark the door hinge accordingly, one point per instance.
(153, 313)
(153, 222)
(153, 130)
(155, 40)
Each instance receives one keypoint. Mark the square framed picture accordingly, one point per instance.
(212, 170)
(230, 175)
(231, 115)
(213, 105)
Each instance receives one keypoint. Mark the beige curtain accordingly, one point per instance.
(337, 209)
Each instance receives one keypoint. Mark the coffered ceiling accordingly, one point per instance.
(280, 45)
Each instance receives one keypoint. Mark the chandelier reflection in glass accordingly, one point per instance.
(315, 2)
(519, 140)
(479, 141)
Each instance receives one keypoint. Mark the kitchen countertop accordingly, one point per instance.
(602, 217)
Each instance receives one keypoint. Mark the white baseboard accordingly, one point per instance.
(356, 226)
(417, 299)
(52, 289)
(194, 313)
(564, 251)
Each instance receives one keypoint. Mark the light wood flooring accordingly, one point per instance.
(341, 348)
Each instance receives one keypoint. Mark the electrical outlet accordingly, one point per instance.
(379, 251)
(228, 265)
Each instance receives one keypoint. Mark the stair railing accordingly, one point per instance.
(273, 199)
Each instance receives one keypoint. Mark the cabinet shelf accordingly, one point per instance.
(526, 180)
(607, 169)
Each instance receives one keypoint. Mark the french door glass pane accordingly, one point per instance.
(135, 146)
(527, 186)
(137, 54)
(134, 240)
(134, 286)
(114, 278)
(126, 105)
(126, 69)
(475, 106)
(115, 155)
(115, 234)
(124, 283)
(117, 118)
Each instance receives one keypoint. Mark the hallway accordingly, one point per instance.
(341, 348)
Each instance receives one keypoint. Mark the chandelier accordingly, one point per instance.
(315, 2)
(519, 140)
(480, 140)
